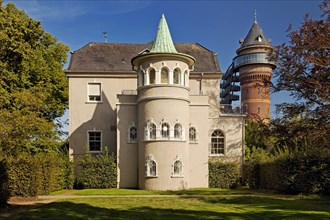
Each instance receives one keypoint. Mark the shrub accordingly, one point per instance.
(4, 191)
(97, 171)
(223, 174)
(251, 168)
(305, 171)
(33, 175)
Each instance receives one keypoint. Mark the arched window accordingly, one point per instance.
(177, 131)
(164, 75)
(151, 167)
(176, 76)
(132, 133)
(152, 130)
(217, 142)
(165, 132)
(152, 76)
(177, 168)
(192, 135)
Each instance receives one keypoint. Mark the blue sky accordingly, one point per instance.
(217, 25)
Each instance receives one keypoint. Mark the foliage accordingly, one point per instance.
(257, 135)
(32, 83)
(251, 167)
(303, 67)
(97, 171)
(223, 175)
(305, 171)
(4, 192)
(33, 175)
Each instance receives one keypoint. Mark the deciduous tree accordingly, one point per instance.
(303, 69)
(33, 86)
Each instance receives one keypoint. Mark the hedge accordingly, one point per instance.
(4, 191)
(96, 171)
(32, 175)
(302, 172)
(223, 174)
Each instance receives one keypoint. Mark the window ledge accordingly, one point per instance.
(164, 140)
(194, 142)
(149, 177)
(217, 155)
(132, 142)
(177, 176)
(95, 152)
(93, 102)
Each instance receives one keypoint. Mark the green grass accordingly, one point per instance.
(225, 204)
(197, 191)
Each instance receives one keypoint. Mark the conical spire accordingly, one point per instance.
(163, 42)
(255, 35)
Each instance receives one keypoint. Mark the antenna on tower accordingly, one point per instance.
(255, 16)
(105, 36)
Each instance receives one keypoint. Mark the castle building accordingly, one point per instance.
(156, 106)
(253, 70)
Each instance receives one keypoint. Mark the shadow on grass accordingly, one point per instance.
(298, 205)
(209, 191)
(70, 210)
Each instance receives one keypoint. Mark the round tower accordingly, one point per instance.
(255, 72)
(163, 114)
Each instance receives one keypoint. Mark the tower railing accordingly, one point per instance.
(228, 109)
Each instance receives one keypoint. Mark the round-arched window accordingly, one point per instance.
(152, 76)
(164, 76)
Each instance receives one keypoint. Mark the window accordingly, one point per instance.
(142, 78)
(177, 168)
(94, 92)
(258, 111)
(164, 75)
(132, 134)
(192, 135)
(94, 141)
(165, 132)
(152, 76)
(217, 142)
(151, 167)
(176, 76)
(152, 131)
(177, 131)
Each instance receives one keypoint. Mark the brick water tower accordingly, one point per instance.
(255, 70)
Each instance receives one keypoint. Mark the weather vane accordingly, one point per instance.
(255, 16)
(105, 36)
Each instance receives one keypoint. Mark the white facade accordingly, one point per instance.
(162, 120)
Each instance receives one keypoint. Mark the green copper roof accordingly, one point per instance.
(163, 42)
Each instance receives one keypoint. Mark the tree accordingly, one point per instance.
(303, 69)
(33, 87)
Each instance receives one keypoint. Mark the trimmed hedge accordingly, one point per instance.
(223, 174)
(33, 175)
(4, 191)
(302, 172)
(96, 171)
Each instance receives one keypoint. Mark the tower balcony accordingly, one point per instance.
(253, 58)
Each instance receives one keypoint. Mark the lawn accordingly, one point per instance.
(191, 204)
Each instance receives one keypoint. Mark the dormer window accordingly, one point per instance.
(259, 38)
